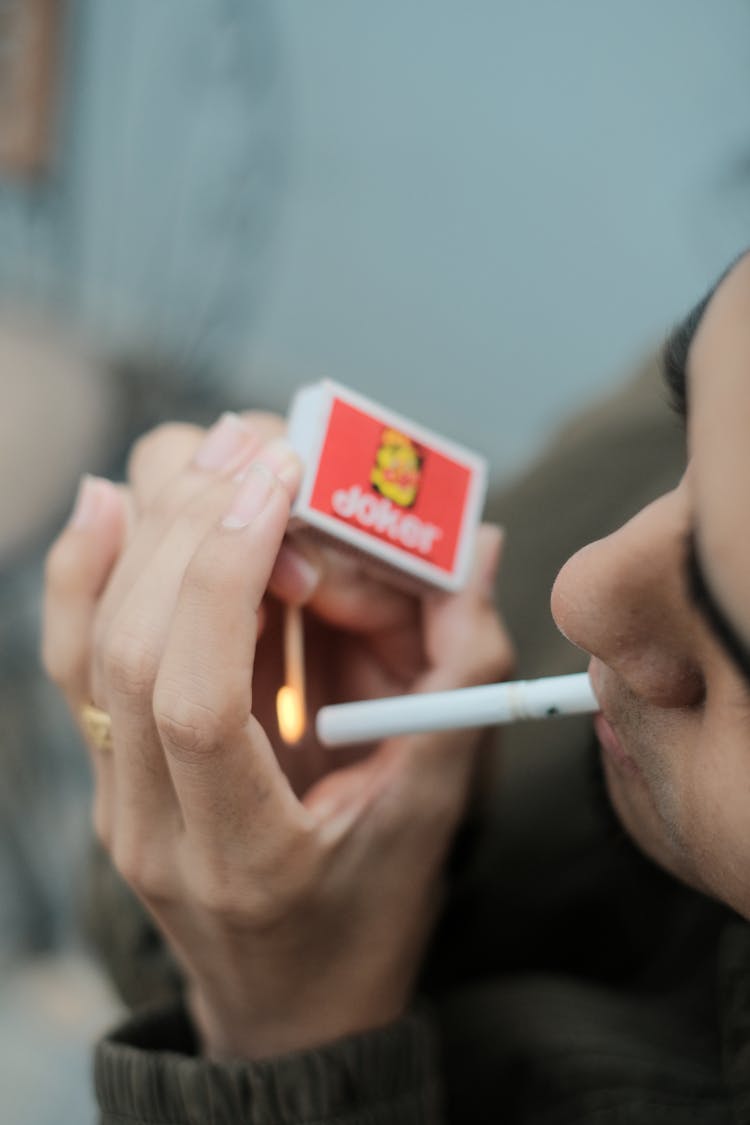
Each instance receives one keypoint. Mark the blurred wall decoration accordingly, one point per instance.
(151, 227)
(29, 58)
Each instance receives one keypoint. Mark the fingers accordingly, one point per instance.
(226, 776)
(338, 587)
(135, 623)
(160, 455)
(78, 567)
(295, 576)
(466, 644)
(426, 777)
(465, 641)
(335, 584)
(164, 485)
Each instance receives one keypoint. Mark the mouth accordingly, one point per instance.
(606, 731)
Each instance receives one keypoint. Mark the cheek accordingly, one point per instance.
(718, 429)
(720, 798)
(660, 819)
(691, 811)
(655, 807)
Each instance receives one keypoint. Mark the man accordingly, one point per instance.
(662, 606)
(299, 913)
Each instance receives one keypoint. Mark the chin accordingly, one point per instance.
(651, 832)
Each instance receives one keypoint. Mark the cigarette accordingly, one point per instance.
(371, 720)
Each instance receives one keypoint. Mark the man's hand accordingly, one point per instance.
(296, 886)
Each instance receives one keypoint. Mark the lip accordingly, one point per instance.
(612, 746)
(606, 732)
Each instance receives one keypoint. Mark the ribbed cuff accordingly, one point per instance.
(147, 1071)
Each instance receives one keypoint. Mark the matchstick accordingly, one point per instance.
(290, 702)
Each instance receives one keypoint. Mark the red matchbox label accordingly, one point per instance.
(381, 482)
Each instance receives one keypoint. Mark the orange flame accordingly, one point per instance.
(290, 712)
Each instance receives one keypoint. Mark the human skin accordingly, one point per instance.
(296, 887)
(675, 724)
(674, 729)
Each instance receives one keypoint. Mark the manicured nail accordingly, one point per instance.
(222, 443)
(250, 497)
(87, 502)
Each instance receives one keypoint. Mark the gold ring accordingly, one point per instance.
(98, 726)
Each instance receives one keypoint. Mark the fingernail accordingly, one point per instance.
(297, 572)
(222, 443)
(250, 497)
(86, 503)
(283, 462)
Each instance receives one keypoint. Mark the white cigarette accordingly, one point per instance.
(371, 720)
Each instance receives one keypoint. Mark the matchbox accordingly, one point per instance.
(384, 485)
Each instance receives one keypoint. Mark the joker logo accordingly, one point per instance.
(398, 468)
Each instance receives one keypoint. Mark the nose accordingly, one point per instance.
(624, 600)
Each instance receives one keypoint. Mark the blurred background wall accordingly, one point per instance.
(482, 214)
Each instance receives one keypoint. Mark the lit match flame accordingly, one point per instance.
(290, 699)
(290, 711)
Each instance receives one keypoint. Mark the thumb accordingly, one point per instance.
(466, 642)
